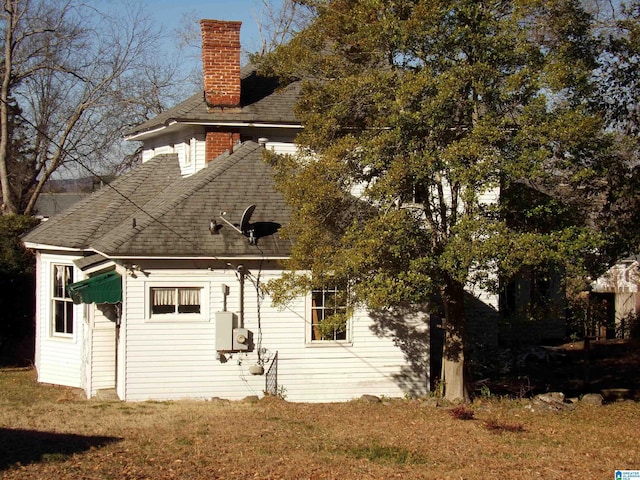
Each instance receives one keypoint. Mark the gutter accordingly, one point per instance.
(138, 136)
(43, 246)
(40, 246)
(208, 258)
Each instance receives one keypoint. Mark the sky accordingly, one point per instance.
(169, 14)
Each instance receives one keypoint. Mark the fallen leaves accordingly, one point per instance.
(281, 441)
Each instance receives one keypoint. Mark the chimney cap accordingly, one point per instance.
(221, 22)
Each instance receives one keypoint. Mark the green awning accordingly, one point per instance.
(103, 288)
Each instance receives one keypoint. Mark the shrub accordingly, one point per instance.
(462, 413)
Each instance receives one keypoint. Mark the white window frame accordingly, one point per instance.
(177, 317)
(65, 300)
(188, 149)
(309, 309)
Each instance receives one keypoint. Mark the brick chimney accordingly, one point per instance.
(217, 142)
(221, 70)
(221, 62)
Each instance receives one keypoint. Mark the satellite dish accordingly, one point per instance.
(246, 228)
(246, 217)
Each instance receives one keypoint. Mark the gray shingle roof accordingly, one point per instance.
(87, 220)
(174, 219)
(263, 101)
(50, 204)
(92, 261)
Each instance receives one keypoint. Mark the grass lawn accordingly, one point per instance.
(50, 432)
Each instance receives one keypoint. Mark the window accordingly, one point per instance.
(329, 315)
(175, 300)
(62, 303)
(181, 301)
(187, 150)
(414, 194)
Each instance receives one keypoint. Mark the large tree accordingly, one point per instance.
(618, 75)
(78, 77)
(16, 291)
(617, 96)
(430, 111)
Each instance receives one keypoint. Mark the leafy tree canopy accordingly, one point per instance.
(426, 110)
(14, 258)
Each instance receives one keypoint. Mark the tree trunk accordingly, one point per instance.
(453, 368)
(7, 201)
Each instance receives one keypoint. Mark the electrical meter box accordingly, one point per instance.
(226, 322)
(241, 339)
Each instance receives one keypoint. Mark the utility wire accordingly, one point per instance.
(255, 280)
(103, 181)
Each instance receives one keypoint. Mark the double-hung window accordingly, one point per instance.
(329, 315)
(62, 305)
(175, 301)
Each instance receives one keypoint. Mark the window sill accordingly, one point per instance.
(329, 343)
(172, 318)
(61, 336)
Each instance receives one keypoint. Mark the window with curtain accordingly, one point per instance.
(175, 300)
(62, 305)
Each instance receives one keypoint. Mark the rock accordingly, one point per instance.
(551, 402)
(430, 402)
(107, 395)
(592, 399)
(251, 399)
(551, 397)
(370, 398)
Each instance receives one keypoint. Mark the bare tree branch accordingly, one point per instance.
(77, 78)
(278, 22)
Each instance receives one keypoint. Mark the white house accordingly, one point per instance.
(152, 286)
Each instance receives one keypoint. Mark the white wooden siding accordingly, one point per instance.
(58, 360)
(282, 148)
(103, 352)
(172, 360)
(121, 347)
(39, 294)
(189, 144)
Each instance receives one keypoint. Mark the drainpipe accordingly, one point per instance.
(241, 299)
(118, 308)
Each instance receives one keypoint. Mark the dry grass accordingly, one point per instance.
(48, 432)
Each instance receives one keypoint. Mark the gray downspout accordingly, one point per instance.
(241, 297)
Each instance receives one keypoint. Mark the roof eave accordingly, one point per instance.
(43, 246)
(135, 136)
(245, 124)
(119, 257)
(139, 136)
